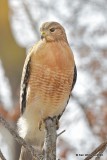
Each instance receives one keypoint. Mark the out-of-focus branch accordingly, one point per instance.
(20, 140)
(100, 149)
(100, 153)
(50, 138)
(32, 22)
(83, 107)
(13, 115)
(2, 156)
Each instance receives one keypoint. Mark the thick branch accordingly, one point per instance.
(101, 148)
(20, 140)
(50, 138)
(2, 156)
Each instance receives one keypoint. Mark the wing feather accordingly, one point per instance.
(74, 78)
(73, 84)
(24, 84)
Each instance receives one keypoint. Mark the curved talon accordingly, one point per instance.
(40, 124)
(57, 123)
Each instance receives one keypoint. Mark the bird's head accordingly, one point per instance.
(52, 31)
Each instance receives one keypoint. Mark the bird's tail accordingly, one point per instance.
(30, 132)
(25, 155)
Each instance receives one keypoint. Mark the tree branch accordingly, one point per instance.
(100, 153)
(20, 140)
(100, 149)
(2, 156)
(60, 133)
(50, 138)
(34, 24)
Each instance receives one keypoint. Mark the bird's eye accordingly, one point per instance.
(52, 29)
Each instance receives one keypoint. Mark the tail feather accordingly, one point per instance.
(26, 155)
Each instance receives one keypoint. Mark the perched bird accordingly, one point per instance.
(49, 75)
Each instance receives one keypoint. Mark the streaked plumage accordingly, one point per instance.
(49, 74)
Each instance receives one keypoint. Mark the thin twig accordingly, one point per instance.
(20, 140)
(2, 156)
(97, 150)
(61, 133)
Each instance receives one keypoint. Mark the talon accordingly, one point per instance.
(40, 124)
(57, 124)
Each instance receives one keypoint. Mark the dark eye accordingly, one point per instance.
(52, 29)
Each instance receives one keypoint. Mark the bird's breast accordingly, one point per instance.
(54, 55)
(51, 76)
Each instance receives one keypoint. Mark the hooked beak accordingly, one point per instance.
(43, 35)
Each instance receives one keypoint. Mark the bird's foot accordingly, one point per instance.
(40, 124)
(56, 120)
(57, 123)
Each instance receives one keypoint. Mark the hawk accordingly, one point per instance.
(48, 77)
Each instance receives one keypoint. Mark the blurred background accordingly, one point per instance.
(85, 22)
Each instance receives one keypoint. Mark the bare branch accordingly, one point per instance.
(2, 156)
(34, 24)
(50, 138)
(60, 133)
(100, 153)
(100, 149)
(20, 140)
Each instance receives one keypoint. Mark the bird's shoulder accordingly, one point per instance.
(25, 79)
(29, 61)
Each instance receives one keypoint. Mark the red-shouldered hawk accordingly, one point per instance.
(49, 75)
